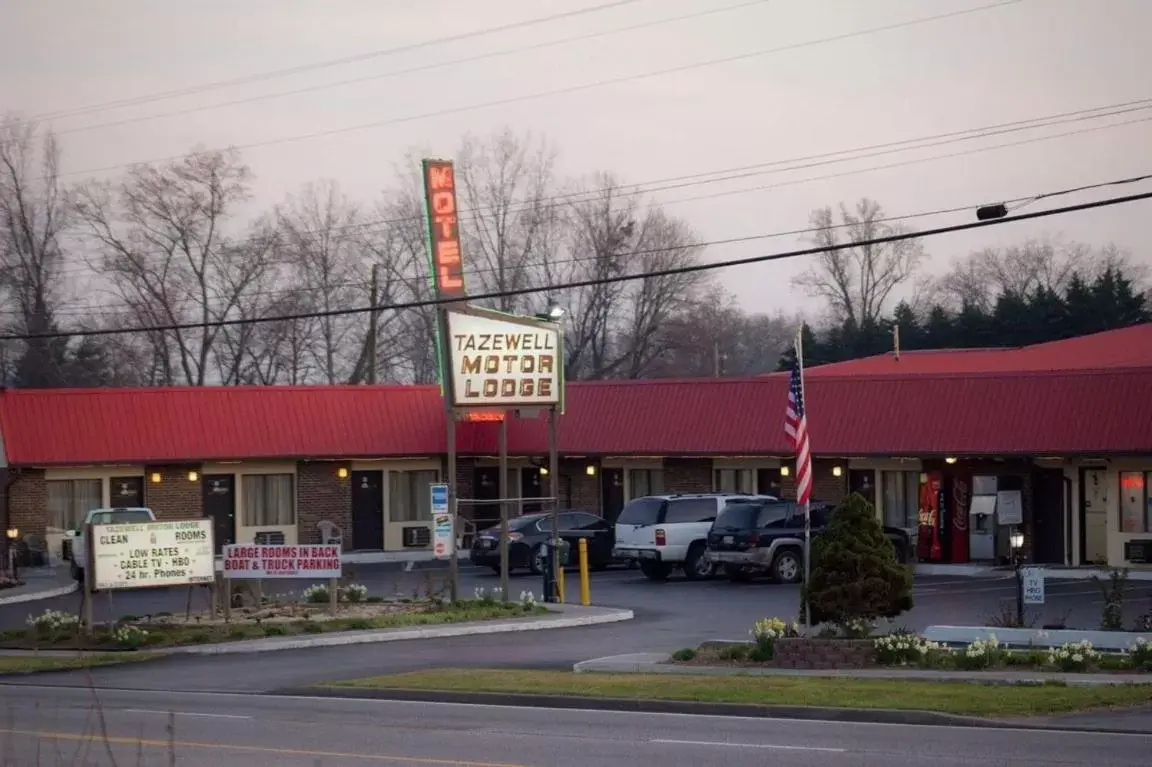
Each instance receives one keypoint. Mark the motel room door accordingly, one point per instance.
(367, 510)
(220, 506)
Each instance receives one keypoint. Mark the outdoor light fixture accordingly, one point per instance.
(554, 313)
(837, 471)
(590, 470)
(543, 471)
(12, 533)
(342, 473)
(785, 471)
(950, 459)
(155, 478)
(1016, 540)
(193, 476)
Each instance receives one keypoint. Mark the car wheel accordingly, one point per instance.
(655, 571)
(697, 567)
(539, 559)
(787, 567)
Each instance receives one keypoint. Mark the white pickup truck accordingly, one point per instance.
(119, 516)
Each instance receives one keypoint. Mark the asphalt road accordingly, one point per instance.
(58, 727)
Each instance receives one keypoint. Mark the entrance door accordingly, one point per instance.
(220, 506)
(368, 510)
(1093, 516)
(531, 487)
(126, 492)
(612, 493)
(485, 487)
(1048, 516)
(863, 481)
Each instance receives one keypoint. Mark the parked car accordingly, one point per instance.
(666, 532)
(752, 538)
(528, 534)
(117, 516)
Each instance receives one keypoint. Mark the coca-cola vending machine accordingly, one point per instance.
(930, 533)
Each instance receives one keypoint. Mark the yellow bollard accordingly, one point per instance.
(585, 586)
(560, 583)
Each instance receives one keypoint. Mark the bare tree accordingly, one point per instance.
(978, 279)
(34, 219)
(512, 229)
(857, 282)
(164, 247)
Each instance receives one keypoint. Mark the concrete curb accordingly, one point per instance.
(572, 702)
(656, 663)
(576, 617)
(59, 591)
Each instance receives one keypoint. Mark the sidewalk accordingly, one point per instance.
(40, 583)
(1054, 572)
(658, 663)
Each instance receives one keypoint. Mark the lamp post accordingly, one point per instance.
(1016, 542)
(552, 570)
(11, 534)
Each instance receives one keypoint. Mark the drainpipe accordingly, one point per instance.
(1065, 521)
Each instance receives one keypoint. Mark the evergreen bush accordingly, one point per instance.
(855, 576)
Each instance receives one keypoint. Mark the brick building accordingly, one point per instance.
(930, 437)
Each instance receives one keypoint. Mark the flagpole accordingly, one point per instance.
(808, 502)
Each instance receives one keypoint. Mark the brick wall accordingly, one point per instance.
(688, 475)
(465, 474)
(27, 501)
(322, 495)
(174, 496)
(825, 486)
(583, 490)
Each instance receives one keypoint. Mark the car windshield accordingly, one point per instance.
(122, 517)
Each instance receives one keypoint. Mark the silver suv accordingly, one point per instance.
(666, 532)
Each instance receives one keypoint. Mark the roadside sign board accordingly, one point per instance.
(152, 554)
(443, 530)
(249, 561)
(1033, 578)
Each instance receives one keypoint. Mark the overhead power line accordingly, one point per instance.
(416, 70)
(376, 225)
(288, 71)
(563, 90)
(558, 288)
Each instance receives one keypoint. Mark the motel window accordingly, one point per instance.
(70, 499)
(268, 500)
(1135, 502)
(734, 481)
(409, 496)
(644, 482)
(901, 498)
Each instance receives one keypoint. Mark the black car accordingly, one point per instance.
(767, 537)
(528, 534)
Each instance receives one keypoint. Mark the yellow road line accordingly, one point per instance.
(153, 743)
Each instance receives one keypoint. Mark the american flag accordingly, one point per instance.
(796, 428)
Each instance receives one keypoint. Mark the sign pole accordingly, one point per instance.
(454, 559)
(554, 482)
(89, 574)
(504, 513)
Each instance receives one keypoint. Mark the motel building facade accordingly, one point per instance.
(943, 443)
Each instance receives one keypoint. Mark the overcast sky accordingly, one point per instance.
(1021, 61)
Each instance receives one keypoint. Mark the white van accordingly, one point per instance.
(666, 532)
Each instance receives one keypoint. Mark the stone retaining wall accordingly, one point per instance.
(814, 653)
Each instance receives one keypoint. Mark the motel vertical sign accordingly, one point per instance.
(444, 251)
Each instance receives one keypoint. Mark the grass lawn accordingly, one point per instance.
(176, 635)
(11, 664)
(946, 697)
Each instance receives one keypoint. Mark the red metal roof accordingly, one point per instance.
(1123, 348)
(963, 414)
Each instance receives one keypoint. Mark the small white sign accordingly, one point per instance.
(1009, 507)
(254, 562)
(501, 360)
(1033, 578)
(153, 554)
(443, 530)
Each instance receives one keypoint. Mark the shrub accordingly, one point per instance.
(685, 654)
(53, 624)
(1073, 656)
(1140, 654)
(355, 593)
(981, 654)
(1113, 590)
(316, 594)
(129, 636)
(903, 649)
(766, 631)
(275, 630)
(735, 652)
(855, 576)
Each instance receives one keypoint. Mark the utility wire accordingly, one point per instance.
(415, 70)
(560, 91)
(689, 269)
(477, 214)
(277, 73)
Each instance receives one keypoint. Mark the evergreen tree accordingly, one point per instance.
(854, 571)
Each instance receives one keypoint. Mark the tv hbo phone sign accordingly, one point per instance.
(152, 554)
